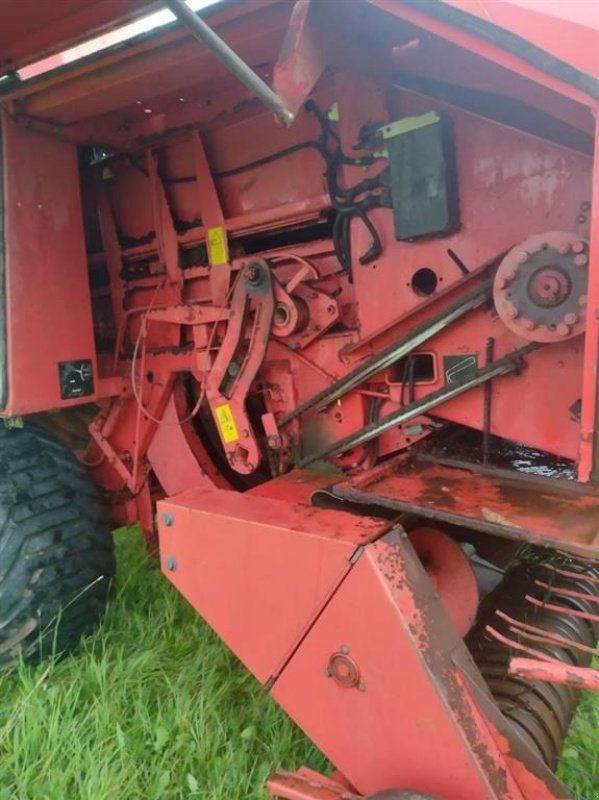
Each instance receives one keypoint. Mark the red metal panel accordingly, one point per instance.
(567, 30)
(408, 703)
(588, 467)
(30, 28)
(258, 570)
(544, 512)
(499, 170)
(48, 306)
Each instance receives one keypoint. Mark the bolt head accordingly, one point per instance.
(563, 329)
(502, 283)
(581, 260)
(168, 519)
(522, 257)
(512, 312)
(578, 247)
(529, 324)
(571, 318)
(582, 300)
(253, 273)
(344, 649)
(563, 248)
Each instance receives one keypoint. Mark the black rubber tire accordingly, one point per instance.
(56, 548)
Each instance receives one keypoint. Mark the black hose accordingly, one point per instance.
(342, 200)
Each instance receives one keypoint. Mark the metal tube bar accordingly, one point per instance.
(230, 59)
(488, 396)
(579, 576)
(568, 612)
(539, 635)
(532, 670)
(389, 356)
(561, 592)
(504, 365)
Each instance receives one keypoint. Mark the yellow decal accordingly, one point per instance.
(217, 246)
(226, 423)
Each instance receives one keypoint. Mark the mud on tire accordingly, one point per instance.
(56, 550)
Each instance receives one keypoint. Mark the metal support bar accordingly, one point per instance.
(503, 366)
(390, 355)
(488, 398)
(578, 677)
(230, 59)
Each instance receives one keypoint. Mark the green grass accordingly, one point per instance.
(154, 706)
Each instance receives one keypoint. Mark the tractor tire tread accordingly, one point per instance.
(56, 551)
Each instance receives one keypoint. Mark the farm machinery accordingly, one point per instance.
(311, 290)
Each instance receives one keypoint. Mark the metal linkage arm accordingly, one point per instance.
(230, 59)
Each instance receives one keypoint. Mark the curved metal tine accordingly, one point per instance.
(564, 610)
(560, 641)
(579, 576)
(539, 635)
(518, 646)
(567, 592)
(587, 562)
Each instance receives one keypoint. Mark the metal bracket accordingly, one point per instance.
(236, 365)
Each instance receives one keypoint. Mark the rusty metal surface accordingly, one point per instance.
(503, 506)
(389, 620)
(578, 677)
(305, 784)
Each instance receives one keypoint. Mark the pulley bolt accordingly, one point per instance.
(502, 283)
(528, 324)
(562, 329)
(563, 248)
(252, 273)
(578, 247)
(582, 300)
(571, 318)
(512, 313)
(581, 260)
(522, 257)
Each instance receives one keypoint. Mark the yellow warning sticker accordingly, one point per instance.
(217, 246)
(226, 423)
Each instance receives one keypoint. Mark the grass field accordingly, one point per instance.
(154, 706)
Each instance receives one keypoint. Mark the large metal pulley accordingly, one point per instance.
(540, 288)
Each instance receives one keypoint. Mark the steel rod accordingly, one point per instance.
(532, 670)
(488, 397)
(389, 356)
(503, 366)
(230, 59)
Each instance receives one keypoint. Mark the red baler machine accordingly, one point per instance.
(321, 278)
